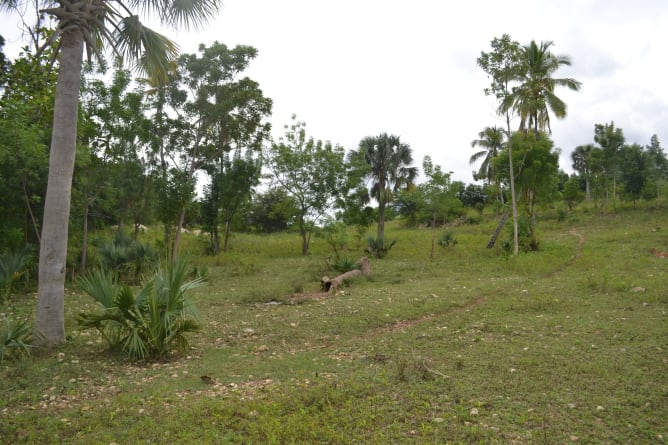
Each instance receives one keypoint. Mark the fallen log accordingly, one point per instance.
(332, 284)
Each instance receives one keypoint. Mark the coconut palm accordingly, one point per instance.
(90, 24)
(534, 98)
(491, 140)
(388, 161)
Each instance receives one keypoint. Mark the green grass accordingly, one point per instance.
(550, 347)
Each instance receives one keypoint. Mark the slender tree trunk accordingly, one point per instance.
(32, 215)
(177, 235)
(433, 235)
(226, 235)
(50, 314)
(587, 189)
(216, 239)
(513, 198)
(84, 241)
(497, 232)
(381, 220)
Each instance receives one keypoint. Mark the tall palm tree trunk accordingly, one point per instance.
(50, 317)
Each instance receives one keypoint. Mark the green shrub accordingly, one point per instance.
(447, 240)
(130, 260)
(343, 264)
(151, 324)
(13, 266)
(377, 246)
(15, 339)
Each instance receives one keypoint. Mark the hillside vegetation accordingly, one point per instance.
(568, 344)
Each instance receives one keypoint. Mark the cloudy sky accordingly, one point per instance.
(356, 68)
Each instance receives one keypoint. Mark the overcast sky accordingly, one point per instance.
(356, 68)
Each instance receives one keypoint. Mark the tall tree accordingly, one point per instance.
(534, 97)
(214, 114)
(657, 164)
(310, 172)
(503, 65)
(89, 24)
(388, 162)
(611, 140)
(583, 163)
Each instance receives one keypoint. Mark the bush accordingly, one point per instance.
(377, 246)
(152, 323)
(447, 240)
(343, 264)
(15, 339)
(12, 267)
(130, 260)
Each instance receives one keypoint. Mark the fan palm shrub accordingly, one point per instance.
(15, 339)
(152, 323)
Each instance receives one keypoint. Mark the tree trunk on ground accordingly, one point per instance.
(50, 314)
(502, 223)
(331, 284)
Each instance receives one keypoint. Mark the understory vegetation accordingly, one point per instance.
(564, 344)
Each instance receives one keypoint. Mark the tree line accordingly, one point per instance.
(139, 143)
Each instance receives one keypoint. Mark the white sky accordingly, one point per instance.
(356, 68)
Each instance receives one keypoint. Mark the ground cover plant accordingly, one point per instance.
(567, 344)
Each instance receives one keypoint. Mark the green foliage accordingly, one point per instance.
(15, 339)
(151, 324)
(343, 264)
(378, 247)
(447, 240)
(13, 266)
(129, 260)
(526, 237)
(387, 162)
(312, 173)
(572, 192)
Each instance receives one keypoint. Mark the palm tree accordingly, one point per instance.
(388, 161)
(491, 139)
(534, 97)
(582, 158)
(89, 23)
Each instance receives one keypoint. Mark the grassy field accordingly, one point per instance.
(565, 345)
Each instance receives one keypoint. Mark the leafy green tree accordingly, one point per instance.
(215, 116)
(535, 97)
(538, 164)
(473, 195)
(572, 192)
(388, 166)
(611, 140)
(90, 27)
(584, 163)
(311, 172)
(657, 164)
(503, 65)
(229, 190)
(634, 173)
(271, 211)
(26, 103)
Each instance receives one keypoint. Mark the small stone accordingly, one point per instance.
(474, 411)
(600, 408)
(438, 420)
